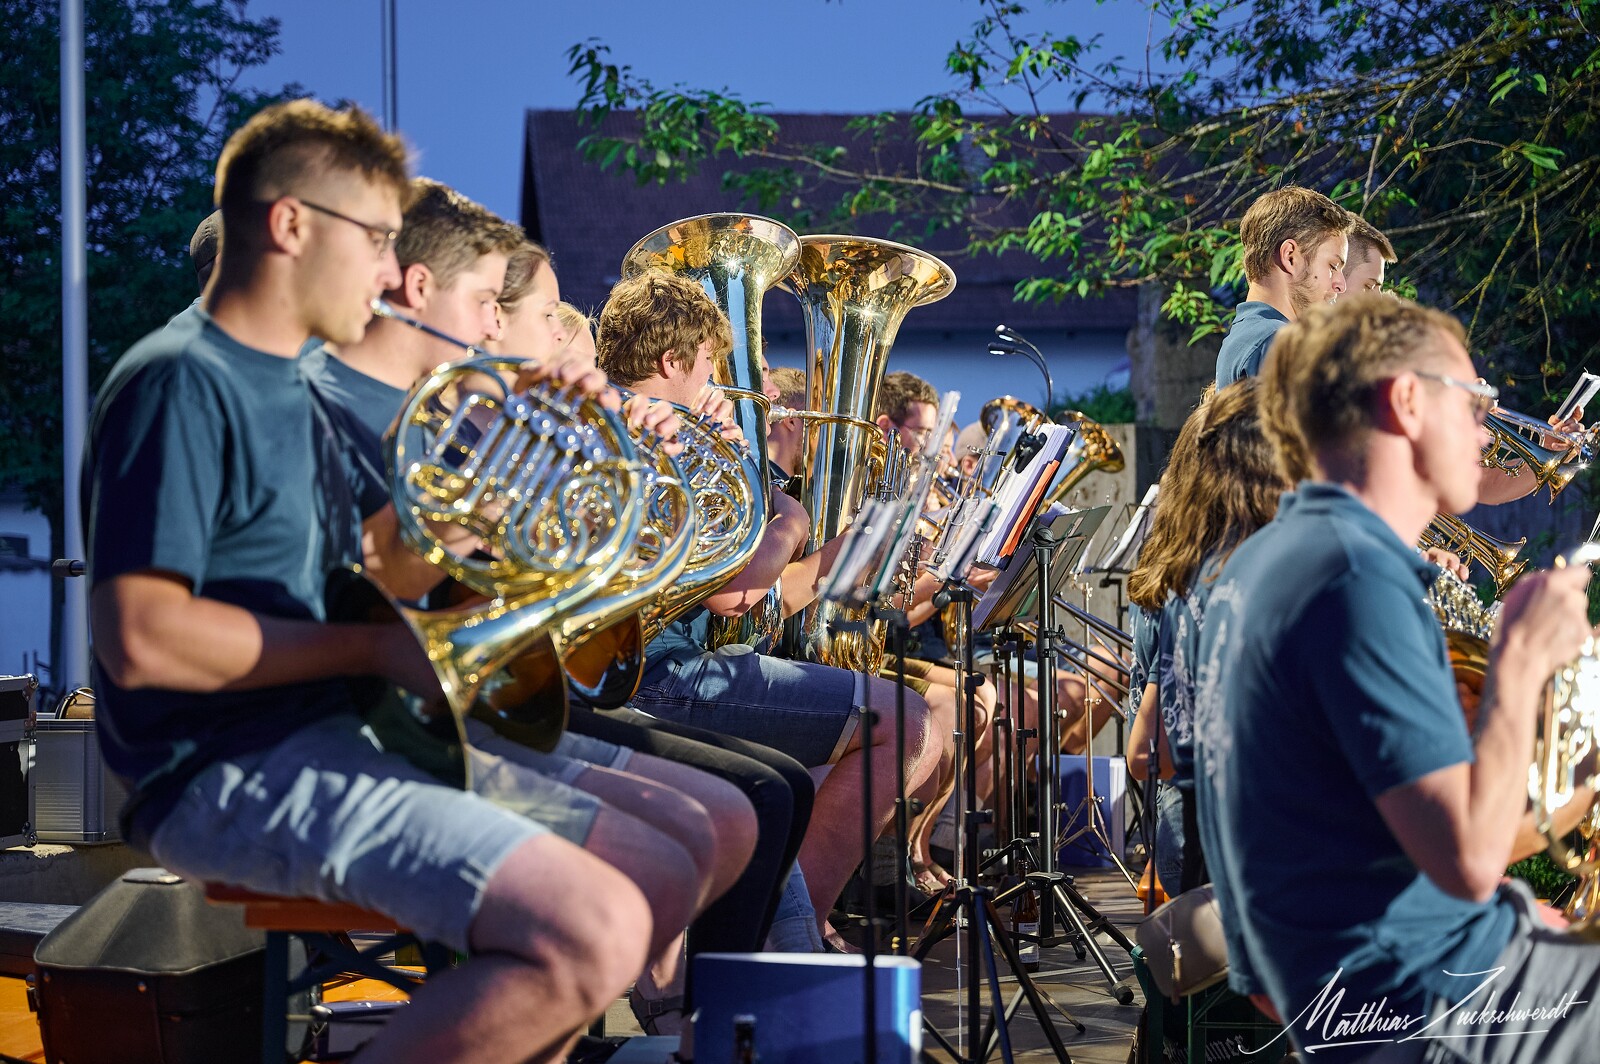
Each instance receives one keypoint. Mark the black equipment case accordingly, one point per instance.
(148, 972)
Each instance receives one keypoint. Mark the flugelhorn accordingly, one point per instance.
(1497, 557)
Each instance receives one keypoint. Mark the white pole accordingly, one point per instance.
(72, 670)
(391, 61)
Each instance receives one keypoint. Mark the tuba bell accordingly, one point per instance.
(854, 292)
(735, 258)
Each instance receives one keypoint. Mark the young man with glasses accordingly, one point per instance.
(1356, 831)
(215, 508)
(908, 410)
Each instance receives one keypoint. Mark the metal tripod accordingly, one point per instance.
(969, 907)
(1061, 904)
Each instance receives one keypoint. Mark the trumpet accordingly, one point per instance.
(1497, 557)
(1522, 443)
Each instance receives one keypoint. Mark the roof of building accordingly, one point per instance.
(589, 218)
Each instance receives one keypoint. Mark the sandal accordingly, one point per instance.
(650, 1012)
(930, 878)
(833, 942)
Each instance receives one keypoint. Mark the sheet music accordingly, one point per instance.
(1014, 498)
(1581, 395)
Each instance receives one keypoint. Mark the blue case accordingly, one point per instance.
(808, 1007)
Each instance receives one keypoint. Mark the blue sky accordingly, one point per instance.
(469, 68)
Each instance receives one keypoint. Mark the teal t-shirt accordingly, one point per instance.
(361, 408)
(208, 460)
(1245, 347)
(1324, 682)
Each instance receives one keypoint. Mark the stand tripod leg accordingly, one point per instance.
(1036, 1002)
(1065, 902)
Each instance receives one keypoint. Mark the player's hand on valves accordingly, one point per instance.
(566, 371)
(716, 405)
(1450, 563)
(646, 415)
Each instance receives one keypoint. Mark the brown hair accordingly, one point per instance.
(791, 384)
(522, 265)
(1220, 485)
(1366, 240)
(1289, 213)
(447, 232)
(285, 146)
(650, 314)
(1321, 371)
(900, 390)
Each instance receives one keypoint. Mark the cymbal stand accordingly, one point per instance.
(969, 906)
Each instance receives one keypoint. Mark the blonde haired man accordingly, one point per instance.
(1295, 246)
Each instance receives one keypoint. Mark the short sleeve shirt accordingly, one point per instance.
(361, 409)
(1244, 349)
(206, 460)
(1181, 618)
(1145, 629)
(1324, 682)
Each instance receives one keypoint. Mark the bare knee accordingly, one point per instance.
(554, 907)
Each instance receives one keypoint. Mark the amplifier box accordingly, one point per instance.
(76, 799)
(807, 1006)
(18, 711)
(1110, 793)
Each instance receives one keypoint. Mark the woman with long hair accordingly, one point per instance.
(1221, 484)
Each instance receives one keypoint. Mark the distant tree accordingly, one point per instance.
(1468, 132)
(162, 88)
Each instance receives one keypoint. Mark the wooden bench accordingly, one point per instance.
(330, 955)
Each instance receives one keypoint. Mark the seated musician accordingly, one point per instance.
(1220, 485)
(215, 506)
(454, 260)
(657, 336)
(1356, 831)
(535, 322)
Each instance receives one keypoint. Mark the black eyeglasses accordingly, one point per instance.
(382, 239)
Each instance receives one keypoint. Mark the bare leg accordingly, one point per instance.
(832, 846)
(557, 936)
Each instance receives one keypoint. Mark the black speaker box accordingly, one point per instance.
(149, 973)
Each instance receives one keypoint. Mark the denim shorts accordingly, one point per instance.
(572, 755)
(327, 814)
(805, 710)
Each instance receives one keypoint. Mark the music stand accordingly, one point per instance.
(1059, 898)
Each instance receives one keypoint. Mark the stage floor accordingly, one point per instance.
(1075, 986)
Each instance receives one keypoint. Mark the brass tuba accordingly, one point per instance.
(854, 292)
(1092, 450)
(735, 258)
